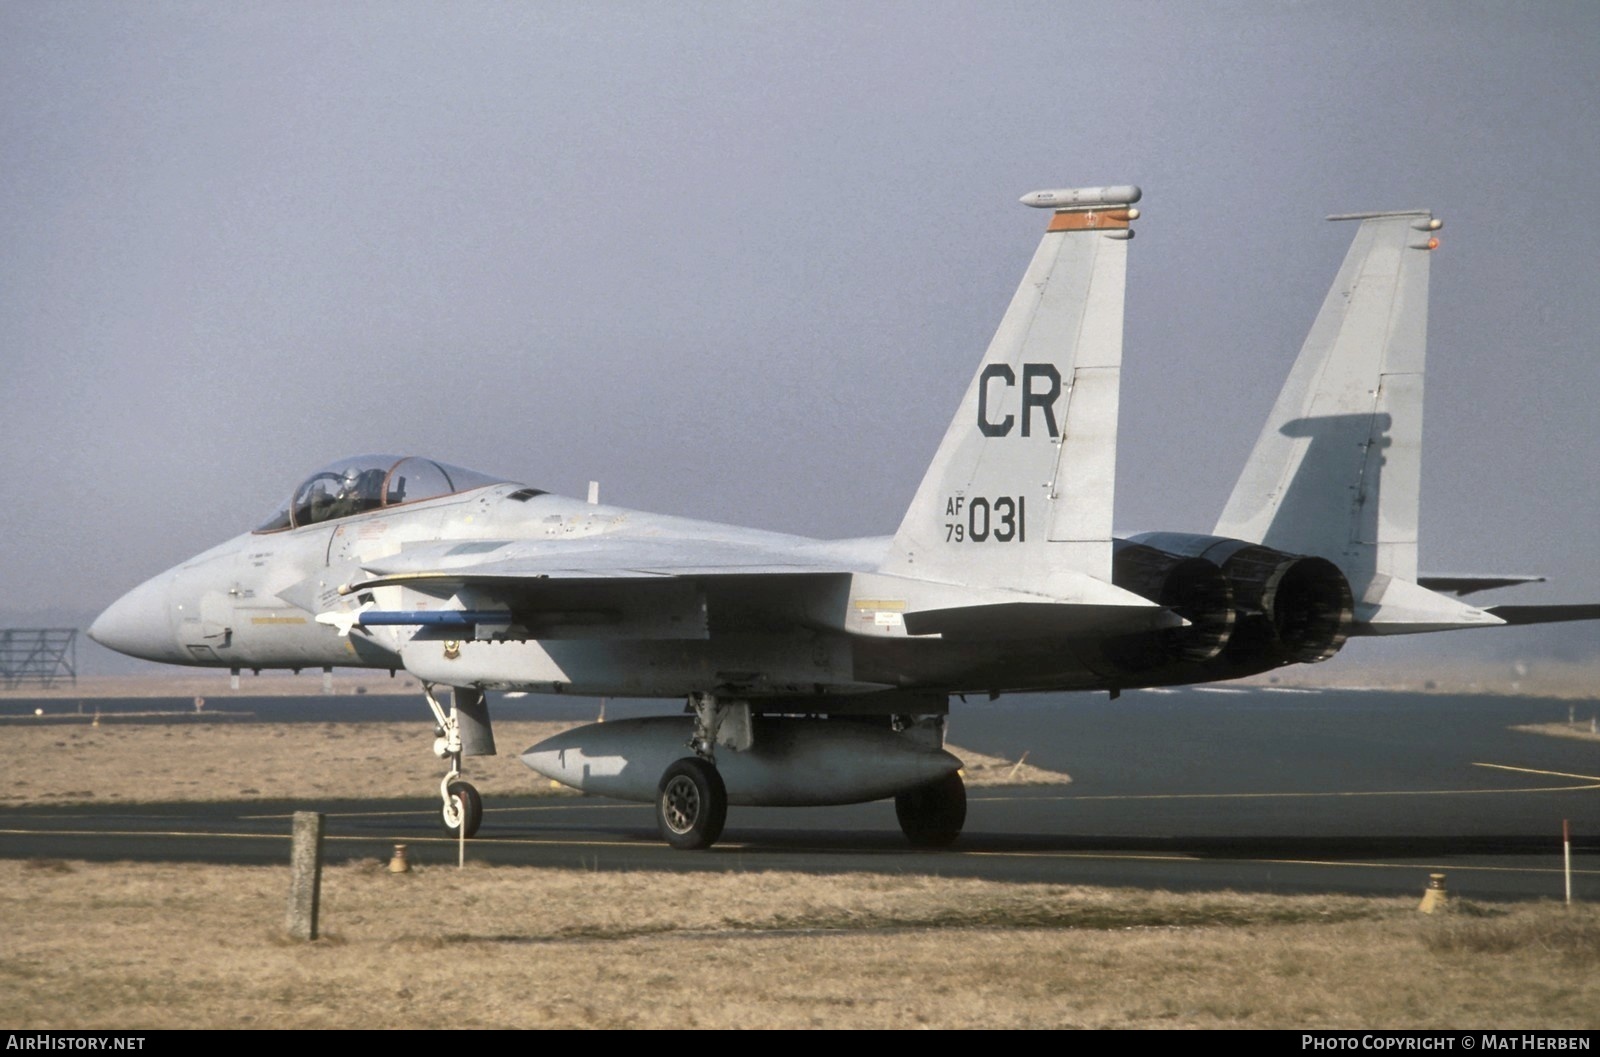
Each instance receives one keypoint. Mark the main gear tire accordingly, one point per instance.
(691, 804)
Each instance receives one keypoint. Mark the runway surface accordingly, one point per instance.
(1256, 790)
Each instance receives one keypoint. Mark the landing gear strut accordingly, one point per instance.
(463, 806)
(691, 801)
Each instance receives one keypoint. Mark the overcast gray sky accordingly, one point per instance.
(738, 260)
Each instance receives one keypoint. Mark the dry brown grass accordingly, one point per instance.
(153, 946)
(1570, 940)
(195, 760)
(205, 760)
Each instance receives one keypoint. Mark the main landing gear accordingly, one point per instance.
(691, 801)
(462, 731)
(849, 760)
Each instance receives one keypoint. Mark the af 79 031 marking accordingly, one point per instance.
(981, 520)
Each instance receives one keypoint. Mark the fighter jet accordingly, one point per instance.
(820, 672)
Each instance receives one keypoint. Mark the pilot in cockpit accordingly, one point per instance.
(359, 490)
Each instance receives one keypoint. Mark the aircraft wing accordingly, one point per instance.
(660, 587)
(486, 562)
(600, 587)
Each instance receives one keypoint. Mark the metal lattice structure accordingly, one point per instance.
(38, 655)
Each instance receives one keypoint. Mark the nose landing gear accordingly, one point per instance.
(462, 731)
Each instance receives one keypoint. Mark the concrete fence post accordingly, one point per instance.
(305, 875)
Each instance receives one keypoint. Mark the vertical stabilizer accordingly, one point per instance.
(1020, 492)
(1337, 470)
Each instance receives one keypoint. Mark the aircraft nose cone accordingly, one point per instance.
(139, 623)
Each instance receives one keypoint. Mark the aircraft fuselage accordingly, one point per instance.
(252, 603)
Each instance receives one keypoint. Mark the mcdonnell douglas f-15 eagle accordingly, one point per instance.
(819, 672)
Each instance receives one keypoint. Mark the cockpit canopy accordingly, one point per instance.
(367, 482)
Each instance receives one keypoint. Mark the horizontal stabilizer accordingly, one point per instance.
(1470, 583)
(1391, 606)
(1545, 614)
